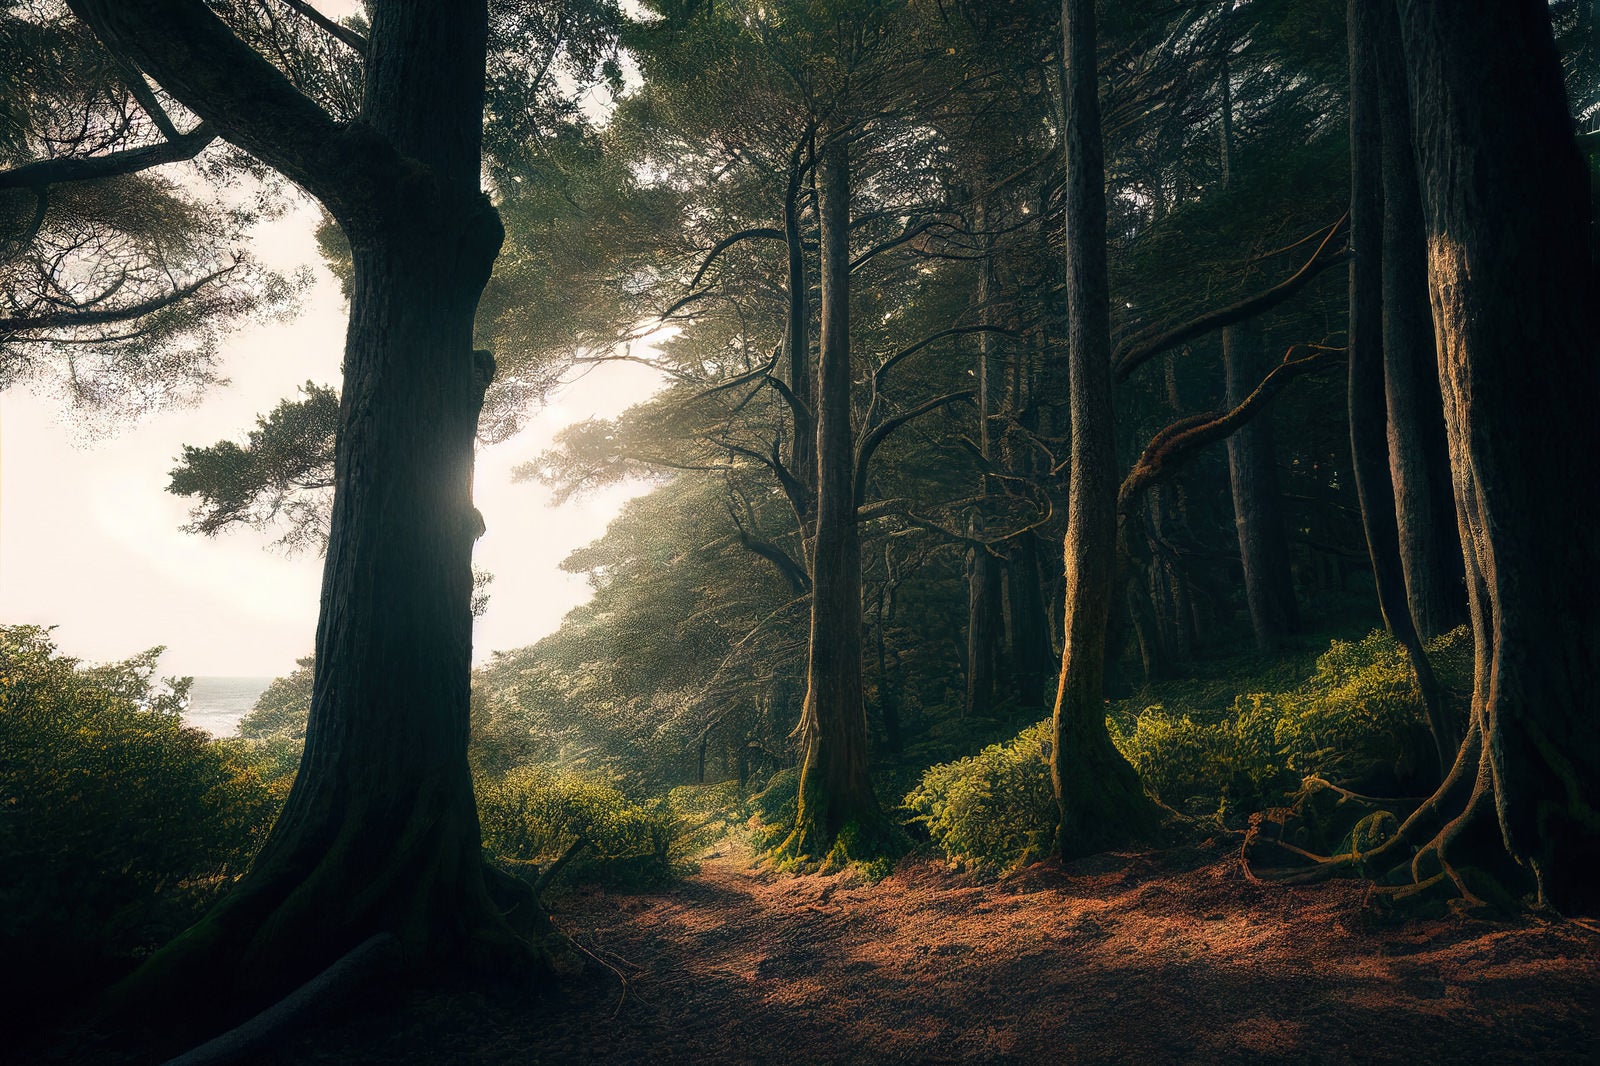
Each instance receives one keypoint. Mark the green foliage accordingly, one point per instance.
(993, 810)
(771, 812)
(276, 725)
(533, 815)
(118, 824)
(1357, 718)
(705, 815)
(281, 476)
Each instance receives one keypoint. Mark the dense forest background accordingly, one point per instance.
(1078, 429)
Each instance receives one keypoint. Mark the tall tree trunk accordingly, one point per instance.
(1101, 800)
(797, 342)
(1257, 503)
(985, 621)
(1252, 469)
(380, 832)
(835, 789)
(1027, 621)
(1370, 422)
(1419, 458)
(1506, 200)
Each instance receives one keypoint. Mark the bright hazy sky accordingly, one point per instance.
(89, 539)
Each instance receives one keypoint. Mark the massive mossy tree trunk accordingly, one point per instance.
(380, 833)
(1506, 200)
(1371, 443)
(1419, 458)
(835, 789)
(1101, 801)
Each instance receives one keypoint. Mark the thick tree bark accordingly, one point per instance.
(1371, 442)
(1419, 458)
(1506, 201)
(380, 832)
(835, 789)
(1101, 801)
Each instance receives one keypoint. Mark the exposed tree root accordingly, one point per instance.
(371, 960)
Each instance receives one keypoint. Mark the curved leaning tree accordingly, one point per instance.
(380, 833)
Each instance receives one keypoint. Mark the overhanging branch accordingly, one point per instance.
(1141, 348)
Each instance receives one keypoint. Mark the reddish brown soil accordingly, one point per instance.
(1148, 958)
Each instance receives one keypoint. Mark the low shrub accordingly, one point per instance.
(705, 815)
(995, 809)
(1358, 718)
(533, 815)
(118, 824)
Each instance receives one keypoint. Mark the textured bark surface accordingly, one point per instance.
(1506, 202)
(380, 832)
(1372, 445)
(835, 789)
(1419, 458)
(1101, 800)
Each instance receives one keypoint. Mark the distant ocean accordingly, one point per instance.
(217, 703)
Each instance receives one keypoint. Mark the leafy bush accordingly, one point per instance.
(118, 824)
(704, 815)
(995, 809)
(276, 725)
(1358, 718)
(533, 815)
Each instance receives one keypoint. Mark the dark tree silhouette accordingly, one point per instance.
(380, 833)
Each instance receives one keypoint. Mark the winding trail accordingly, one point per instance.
(1151, 958)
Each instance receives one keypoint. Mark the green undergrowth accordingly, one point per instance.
(119, 826)
(533, 816)
(1220, 746)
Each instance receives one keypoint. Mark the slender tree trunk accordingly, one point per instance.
(1257, 503)
(380, 832)
(1370, 441)
(1252, 469)
(1101, 801)
(1027, 620)
(835, 789)
(984, 618)
(797, 345)
(1419, 458)
(1506, 200)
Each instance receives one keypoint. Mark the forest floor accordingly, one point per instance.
(1163, 957)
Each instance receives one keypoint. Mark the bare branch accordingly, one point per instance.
(1175, 445)
(880, 433)
(1141, 348)
(728, 242)
(329, 26)
(113, 164)
(72, 317)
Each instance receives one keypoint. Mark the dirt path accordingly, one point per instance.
(1161, 958)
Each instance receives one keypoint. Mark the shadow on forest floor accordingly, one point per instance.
(1159, 957)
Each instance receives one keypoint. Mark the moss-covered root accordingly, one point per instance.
(830, 834)
(1103, 805)
(290, 918)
